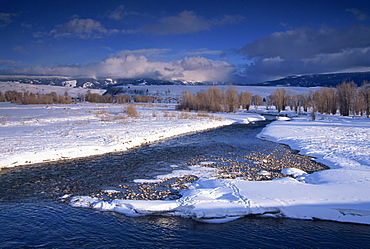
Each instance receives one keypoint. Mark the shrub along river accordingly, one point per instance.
(33, 215)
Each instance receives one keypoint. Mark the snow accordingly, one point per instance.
(70, 83)
(339, 194)
(195, 170)
(38, 133)
(44, 89)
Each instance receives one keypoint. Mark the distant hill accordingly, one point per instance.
(91, 82)
(105, 83)
(313, 80)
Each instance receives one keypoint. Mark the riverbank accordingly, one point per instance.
(40, 133)
(337, 194)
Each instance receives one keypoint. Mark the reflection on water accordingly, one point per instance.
(33, 216)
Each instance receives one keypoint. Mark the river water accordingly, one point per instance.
(33, 215)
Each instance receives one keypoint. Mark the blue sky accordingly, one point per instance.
(236, 40)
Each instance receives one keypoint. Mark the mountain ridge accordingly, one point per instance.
(327, 80)
(90, 82)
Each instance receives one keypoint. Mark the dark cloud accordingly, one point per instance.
(308, 42)
(307, 50)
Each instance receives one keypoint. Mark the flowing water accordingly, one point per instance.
(32, 214)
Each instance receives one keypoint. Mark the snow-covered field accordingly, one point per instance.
(44, 89)
(174, 90)
(37, 133)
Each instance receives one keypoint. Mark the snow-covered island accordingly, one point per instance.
(38, 133)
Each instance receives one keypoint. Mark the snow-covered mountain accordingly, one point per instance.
(313, 80)
(93, 82)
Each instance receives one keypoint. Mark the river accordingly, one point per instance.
(33, 215)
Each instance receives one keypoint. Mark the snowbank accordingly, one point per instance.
(39, 133)
(338, 194)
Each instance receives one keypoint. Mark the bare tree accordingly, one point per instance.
(200, 101)
(245, 99)
(305, 101)
(332, 100)
(358, 103)
(319, 101)
(279, 98)
(365, 92)
(13, 96)
(346, 93)
(214, 96)
(209, 100)
(293, 101)
(269, 102)
(67, 98)
(257, 101)
(232, 99)
(120, 99)
(187, 101)
(325, 100)
(2, 97)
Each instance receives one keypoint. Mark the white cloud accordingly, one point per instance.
(82, 28)
(118, 13)
(360, 15)
(134, 64)
(145, 52)
(203, 51)
(19, 49)
(5, 64)
(6, 18)
(184, 22)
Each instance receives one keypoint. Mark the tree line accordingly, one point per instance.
(28, 98)
(346, 98)
(218, 100)
(119, 99)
